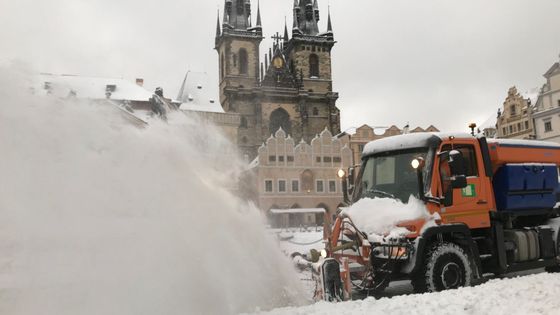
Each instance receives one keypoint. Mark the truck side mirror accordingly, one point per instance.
(351, 175)
(457, 163)
(344, 181)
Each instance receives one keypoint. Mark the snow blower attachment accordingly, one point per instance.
(331, 284)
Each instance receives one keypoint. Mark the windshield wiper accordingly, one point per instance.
(380, 192)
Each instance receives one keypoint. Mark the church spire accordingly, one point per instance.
(286, 36)
(330, 34)
(259, 21)
(237, 14)
(218, 26)
(306, 15)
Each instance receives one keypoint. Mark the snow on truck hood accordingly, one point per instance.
(378, 217)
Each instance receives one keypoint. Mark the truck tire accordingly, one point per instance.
(446, 266)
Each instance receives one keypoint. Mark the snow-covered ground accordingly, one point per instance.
(533, 294)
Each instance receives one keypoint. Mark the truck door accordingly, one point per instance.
(470, 205)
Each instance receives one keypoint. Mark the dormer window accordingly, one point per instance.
(512, 110)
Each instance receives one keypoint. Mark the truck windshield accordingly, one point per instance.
(390, 175)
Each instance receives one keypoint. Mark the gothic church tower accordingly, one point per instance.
(291, 89)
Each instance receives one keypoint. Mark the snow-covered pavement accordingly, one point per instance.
(533, 294)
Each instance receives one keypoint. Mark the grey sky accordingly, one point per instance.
(441, 62)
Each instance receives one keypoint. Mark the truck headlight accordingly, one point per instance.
(341, 173)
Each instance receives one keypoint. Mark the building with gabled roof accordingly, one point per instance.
(290, 174)
(547, 110)
(515, 118)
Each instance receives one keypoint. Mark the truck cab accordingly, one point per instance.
(494, 202)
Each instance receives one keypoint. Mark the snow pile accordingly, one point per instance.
(99, 217)
(378, 217)
(536, 294)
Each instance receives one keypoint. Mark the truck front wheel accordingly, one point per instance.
(446, 266)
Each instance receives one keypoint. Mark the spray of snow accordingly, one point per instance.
(99, 217)
(379, 217)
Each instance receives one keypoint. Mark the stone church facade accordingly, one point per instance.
(291, 89)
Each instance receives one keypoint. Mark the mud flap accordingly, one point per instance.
(331, 281)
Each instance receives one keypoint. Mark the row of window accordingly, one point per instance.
(295, 187)
(318, 159)
(515, 128)
(314, 48)
(272, 158)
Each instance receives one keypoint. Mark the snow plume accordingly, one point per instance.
(100, 217)
(379, 217)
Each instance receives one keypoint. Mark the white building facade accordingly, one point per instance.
(547, 113)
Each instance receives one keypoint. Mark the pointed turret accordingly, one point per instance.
(237, 14)
(295, 27)
(218, 26)
(330, 34)
(329, 23)
(306, 15)
(259, 21)
(286, 36)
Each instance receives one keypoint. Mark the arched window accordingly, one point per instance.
(313, 65)
(243, 61)
(280, 118)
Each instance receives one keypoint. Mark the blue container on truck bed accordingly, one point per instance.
(525, 186)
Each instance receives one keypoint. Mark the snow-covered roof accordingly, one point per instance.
(530, 143)
(85, 87)
(210, 107)
(197, 94)
(299, 210)
(408, 141)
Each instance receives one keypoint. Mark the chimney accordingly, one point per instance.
(140, 82)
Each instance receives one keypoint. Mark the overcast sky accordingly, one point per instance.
(441, 62)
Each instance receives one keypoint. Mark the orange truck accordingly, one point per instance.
(495, 204)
